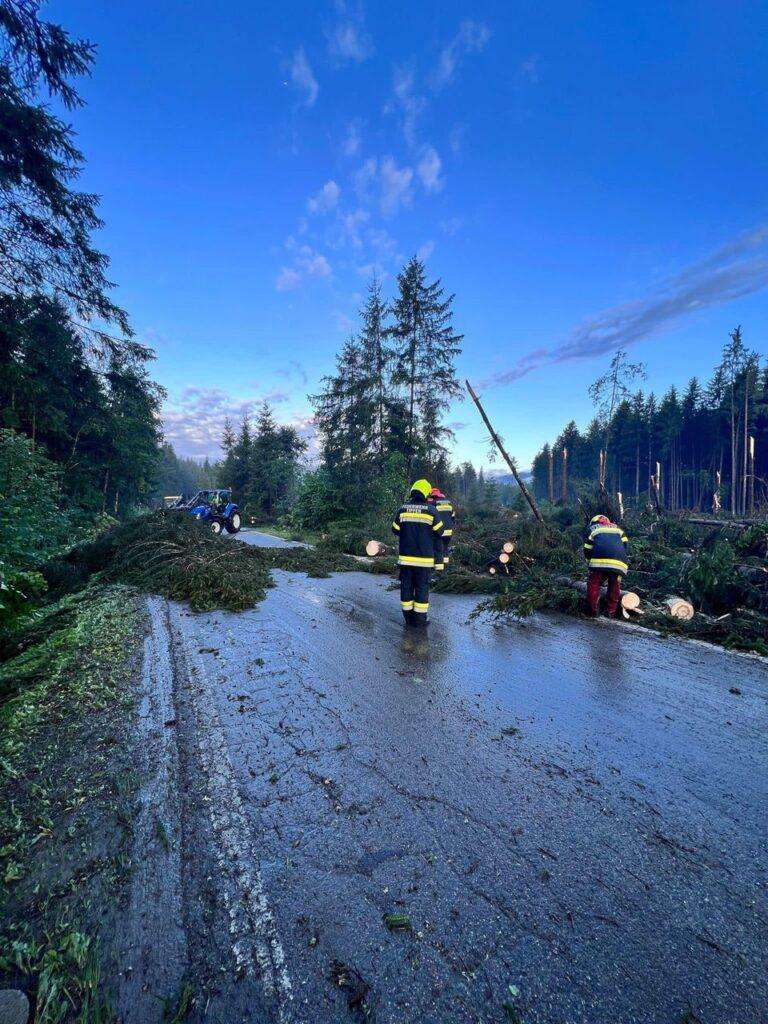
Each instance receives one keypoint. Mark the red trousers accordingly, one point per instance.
(595, 582)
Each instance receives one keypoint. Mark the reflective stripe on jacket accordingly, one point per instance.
(606, 548)
(416, 525)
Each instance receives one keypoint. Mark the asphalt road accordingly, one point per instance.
(569, 817)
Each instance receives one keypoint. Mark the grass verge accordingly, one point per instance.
(66, 790)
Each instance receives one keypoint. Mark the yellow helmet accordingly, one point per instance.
(423, 487)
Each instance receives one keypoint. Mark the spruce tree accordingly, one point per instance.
(426, 346)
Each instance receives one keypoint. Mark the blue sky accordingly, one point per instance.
(581, 175)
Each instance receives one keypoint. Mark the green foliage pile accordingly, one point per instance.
(66, 786)
(170, 553)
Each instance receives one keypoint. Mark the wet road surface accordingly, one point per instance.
(568, 808)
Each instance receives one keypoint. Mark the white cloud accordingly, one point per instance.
(193, 420)
(429, 168)
(350, 225)
(395, 186)
(352, 140)
(303, 77)
(425, 251)
(471, 38)
(287, 279)
(307, 264)
(313, 264)
(346, 42)
(365, 176)
(382, 181)
(326, 199)
(456, 137)
(451, 225)
(407, 101)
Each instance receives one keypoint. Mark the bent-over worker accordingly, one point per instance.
(445, 512)
(416, 525)
(605, 550)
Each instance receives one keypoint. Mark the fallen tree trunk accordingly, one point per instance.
(739, 524)
(509, 461)
(375, 547)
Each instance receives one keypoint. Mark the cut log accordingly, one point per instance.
(503, 557)
(492, 569)
(508, 546)
(678, 608)
(375, 547)
(630, 601)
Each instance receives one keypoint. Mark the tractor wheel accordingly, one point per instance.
(215, 527)
(233, 523)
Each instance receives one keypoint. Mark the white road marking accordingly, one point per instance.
(252, 924)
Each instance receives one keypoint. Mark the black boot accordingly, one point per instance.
(408, 616)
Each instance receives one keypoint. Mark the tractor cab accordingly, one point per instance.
(216, 508)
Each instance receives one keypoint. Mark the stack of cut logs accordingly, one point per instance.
(497, 564)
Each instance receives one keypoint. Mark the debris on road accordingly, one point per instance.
(398, 922)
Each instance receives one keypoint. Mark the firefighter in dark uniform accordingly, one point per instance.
(605, 550)
(416, 525)
(444, 509)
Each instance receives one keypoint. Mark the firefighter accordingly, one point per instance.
(445, 511)
(605, 550)
(416, 525)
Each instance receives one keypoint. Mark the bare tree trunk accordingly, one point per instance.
(551, 475)
(746, 445)
(733, 455)
(509, 461)
(564, 481)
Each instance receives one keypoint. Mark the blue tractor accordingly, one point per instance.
(215, 508)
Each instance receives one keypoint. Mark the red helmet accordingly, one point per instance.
(436, 493)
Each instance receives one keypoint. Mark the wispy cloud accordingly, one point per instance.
(425, 251)
(737, 269)
(303, 78)
(326, 199)
(287, 279)
(529, 70)
(406, 101)
(306, 264)
(348, 42)
(472, 38)
(352, 142)
(428, 169)
(384, 182)
(395, 186)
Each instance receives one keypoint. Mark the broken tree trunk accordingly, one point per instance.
(509, 461)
